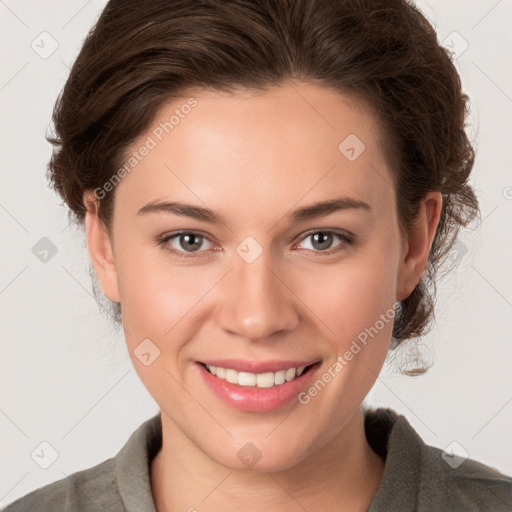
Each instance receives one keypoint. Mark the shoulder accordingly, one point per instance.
(421, 477)
(117, 484)
(92, 489)
(462, 483)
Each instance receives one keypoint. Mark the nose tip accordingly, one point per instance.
(257, 324)
(257, 304)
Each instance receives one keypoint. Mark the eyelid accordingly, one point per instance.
(166, 237)
(346, 236)
(336, 231)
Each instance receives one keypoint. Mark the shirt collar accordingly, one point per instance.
(393, 438)
(133, 464)
(388, 433)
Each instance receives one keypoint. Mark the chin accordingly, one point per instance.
(254, 458)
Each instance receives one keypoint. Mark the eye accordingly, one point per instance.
(323, 240)
(184, 243)
(190, 244)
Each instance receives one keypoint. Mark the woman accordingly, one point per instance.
(267, 189)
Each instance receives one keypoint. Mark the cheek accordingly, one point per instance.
(355, 305)
(164, 301)
(158, 302)
(351, 295)
(156, 295)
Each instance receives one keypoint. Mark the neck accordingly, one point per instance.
(343, 474)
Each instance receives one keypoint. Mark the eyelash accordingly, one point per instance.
(164, 239)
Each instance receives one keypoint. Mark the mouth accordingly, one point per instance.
(257, 387)
(268, 379)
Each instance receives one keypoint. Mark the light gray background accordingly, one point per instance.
(66, 377)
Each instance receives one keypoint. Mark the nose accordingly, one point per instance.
(257, 300)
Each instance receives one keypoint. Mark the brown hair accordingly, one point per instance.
(140, 55)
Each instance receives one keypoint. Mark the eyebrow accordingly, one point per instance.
(312, 211)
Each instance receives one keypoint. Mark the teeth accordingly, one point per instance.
(265, 380)
(280, 377)
(245, 378)
(232, 376)
(259, 380)
(290, 374)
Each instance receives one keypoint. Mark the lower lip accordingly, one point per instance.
(253, 399)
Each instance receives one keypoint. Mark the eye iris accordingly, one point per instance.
(324, 240)
(188, 238)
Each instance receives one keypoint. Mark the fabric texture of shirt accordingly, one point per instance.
(417, 477)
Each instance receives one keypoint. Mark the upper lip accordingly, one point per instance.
(245, 365)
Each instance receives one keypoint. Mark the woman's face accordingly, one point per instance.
(260, 281)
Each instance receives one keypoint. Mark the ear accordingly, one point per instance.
(418, 244)
(100, 248)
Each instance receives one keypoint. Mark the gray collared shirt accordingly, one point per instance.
(416, 476)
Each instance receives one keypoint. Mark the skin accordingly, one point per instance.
(255, 157)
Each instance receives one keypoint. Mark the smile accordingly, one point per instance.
(259, 380)
(257, 386)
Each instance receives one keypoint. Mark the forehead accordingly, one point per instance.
(258, 147)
